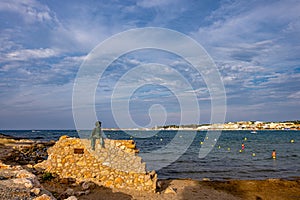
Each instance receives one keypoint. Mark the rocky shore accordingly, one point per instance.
(19, 179)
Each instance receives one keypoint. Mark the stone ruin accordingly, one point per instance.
(115, 166)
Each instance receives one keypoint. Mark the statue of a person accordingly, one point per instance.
(96, 134)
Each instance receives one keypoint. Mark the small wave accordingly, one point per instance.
(200, 172)
(37, 137)
(263, 170)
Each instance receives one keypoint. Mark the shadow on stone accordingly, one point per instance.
(101, 192)
(162, 185)
(62, 188)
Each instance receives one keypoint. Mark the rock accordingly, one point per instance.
(170, 190)
(4, 166)
(23, 181)
(28, 184)
(69, 192)
(119, 180)
(205, 179)
(79, 193)
(64, 181)
(30, 166)
(152, 173)
(108, 184)
(63, 137)
(71, 180)
(159, 184)
(43, 197)
(81, 163)
(130, 146)
(106, 163)
(273, 180)
(149, 182)
(88, 185)
(71, 198)
(74, 184)
(122, 147)
(25, 174)
(36, 191)
(67, 180)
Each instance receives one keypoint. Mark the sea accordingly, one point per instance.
(224, 161)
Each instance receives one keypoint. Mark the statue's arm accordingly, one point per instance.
(93, 133)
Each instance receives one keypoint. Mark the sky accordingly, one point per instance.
(254, 44)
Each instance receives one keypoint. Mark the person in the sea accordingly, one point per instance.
(243, 146)
(274, 154)
(96, 134)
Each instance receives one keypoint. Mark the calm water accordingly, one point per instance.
(220, 163)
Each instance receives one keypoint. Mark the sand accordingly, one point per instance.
(190, 189)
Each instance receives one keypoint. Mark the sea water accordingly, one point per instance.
(225, 161)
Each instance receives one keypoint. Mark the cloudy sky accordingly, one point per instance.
(255, 45)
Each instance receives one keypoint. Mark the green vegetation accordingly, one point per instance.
(293, 121)
(47, 176)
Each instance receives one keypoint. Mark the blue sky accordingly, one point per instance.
(255, 45)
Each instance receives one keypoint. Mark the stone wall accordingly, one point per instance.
(116, 165)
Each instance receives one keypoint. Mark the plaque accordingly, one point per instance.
(78, 151)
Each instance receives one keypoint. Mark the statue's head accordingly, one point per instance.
(98, 123)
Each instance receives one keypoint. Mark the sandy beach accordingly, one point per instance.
(19, 154)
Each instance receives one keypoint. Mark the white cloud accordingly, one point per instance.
(295, 95)
(9, 66)
(283, 79)
(75, 33)
(256, 47)
(69, 61)
(154, 3)
(30, 10)
(254, 31)
(27, 54)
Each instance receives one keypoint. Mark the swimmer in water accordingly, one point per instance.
(274, 154)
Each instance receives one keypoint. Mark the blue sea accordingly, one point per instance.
(225, 161)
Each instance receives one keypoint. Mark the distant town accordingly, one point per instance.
(241, 125)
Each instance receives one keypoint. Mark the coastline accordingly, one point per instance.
(167, 188)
